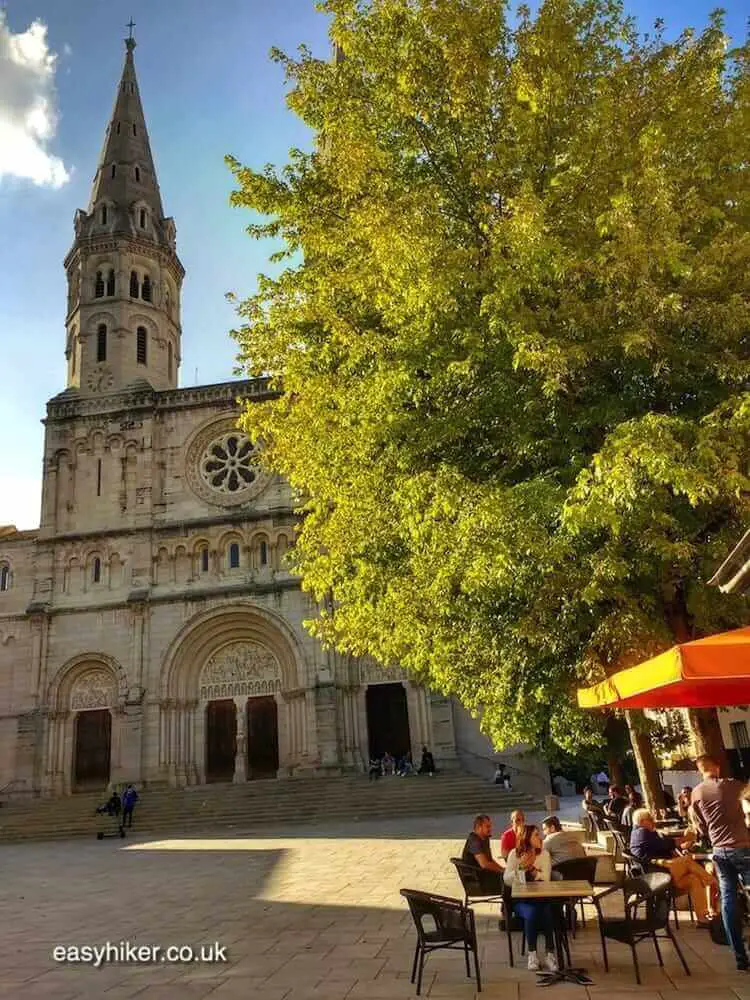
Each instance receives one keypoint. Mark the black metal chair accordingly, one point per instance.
(652, 891)
(577, 869)
(478, 889)
(441, 923)
(477, 886)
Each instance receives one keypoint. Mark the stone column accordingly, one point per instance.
(192, 766)
(325, 704)
(172, 743)
(200, 742)
(240, 757)
(363, 728)
(66, 744)
(117, 773)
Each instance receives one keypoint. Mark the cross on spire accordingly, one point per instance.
(130, 25)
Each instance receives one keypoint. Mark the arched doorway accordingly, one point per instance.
(262, 737)
(387, 720)
(242, 657)
(93, 748)
(221, 740)
(84, 725)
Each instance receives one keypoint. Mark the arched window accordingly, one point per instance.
(143, 218)
(234, 556)
(114, 169)
(146, 289)
(263, 552)
(204, 559)
(4, 577)
(101, 342)
(111, 283)
(137, 172)
(96, 570)
(99, 285)
(104, 215)
(170, 362)
(118, 128)
(133, 285)
(140, 345)
(135, 132)
(167, 301)
(73, 351)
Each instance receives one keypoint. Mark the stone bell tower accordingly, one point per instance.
(124, 276)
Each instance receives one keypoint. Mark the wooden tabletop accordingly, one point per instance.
(569, 889)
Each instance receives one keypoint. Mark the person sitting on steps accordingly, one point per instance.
(427, 765)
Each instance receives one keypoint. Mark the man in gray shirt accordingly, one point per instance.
(563, 845)
(718, 816)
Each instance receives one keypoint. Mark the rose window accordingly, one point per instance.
(227, 463)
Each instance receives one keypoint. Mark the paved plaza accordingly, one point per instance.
(307, 914)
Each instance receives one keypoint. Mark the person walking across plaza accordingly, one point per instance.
(718, 817)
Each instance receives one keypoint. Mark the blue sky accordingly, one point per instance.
(208, 88)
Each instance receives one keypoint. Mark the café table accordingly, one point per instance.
(557, 893)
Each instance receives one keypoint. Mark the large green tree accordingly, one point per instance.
(512, 329)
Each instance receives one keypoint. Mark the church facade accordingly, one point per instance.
(150, 629)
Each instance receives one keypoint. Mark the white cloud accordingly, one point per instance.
(28, 118)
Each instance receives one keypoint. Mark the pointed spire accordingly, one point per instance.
(125, 178)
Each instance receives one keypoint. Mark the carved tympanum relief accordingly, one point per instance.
(241, 668)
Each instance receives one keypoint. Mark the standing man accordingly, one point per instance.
(129, 799)
(718, 817)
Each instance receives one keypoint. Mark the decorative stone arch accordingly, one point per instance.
(232, 537)
(89, 682)
(96, 319)
(62, 684)
(248, 652)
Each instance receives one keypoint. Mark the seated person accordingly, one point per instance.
(651, 848)
(508, 839)
(405, 766)
(615, 804)
(478, 853)
(593, 813)
(529, 857)
(635, 801)
(112, 806)
(427, 764)
(375, 768)
(745, 804)
(683, 803)
(561, 845)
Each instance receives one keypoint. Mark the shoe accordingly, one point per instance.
(533, 962)
(550, 962)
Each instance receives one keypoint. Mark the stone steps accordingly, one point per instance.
(251, 805)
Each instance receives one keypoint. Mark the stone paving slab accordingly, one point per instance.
(312, 915)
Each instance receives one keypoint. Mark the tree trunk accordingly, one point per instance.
(648, 768)
(613, 733)
(704, 722)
